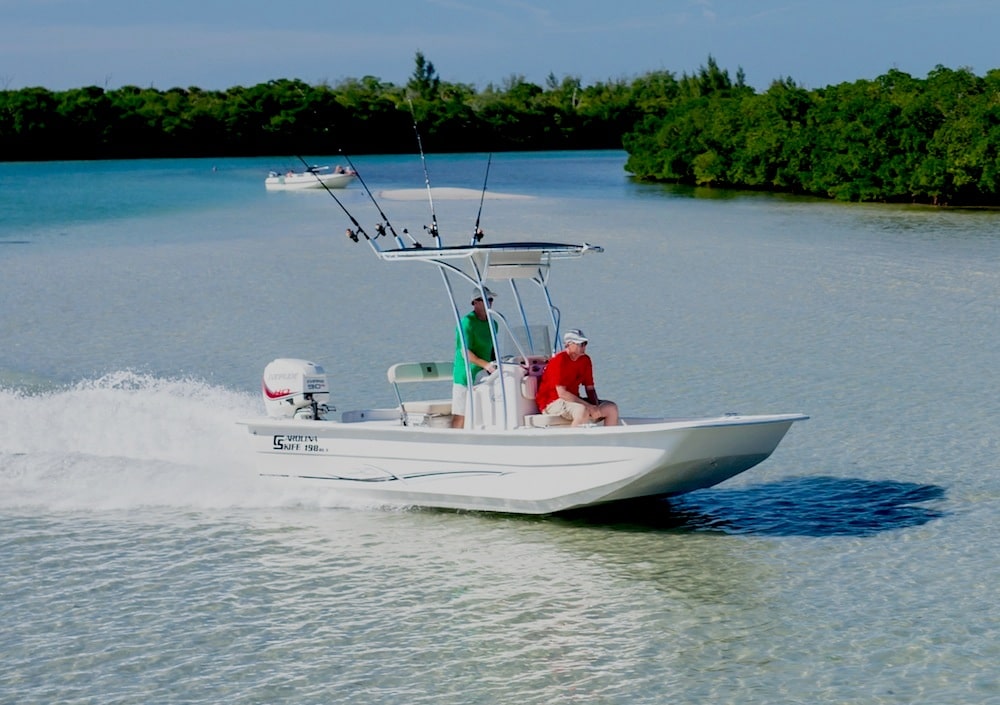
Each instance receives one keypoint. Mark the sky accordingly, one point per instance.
(218, 44)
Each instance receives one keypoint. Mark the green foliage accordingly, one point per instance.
(425, 82)
(894, 138)
(289, 116)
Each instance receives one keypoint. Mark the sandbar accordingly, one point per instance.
(445, 194)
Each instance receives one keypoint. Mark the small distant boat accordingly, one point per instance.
(315, 177)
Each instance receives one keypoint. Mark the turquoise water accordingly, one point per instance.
(141, 562)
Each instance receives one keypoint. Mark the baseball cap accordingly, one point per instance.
(477, 294)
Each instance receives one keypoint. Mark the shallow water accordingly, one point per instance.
(141, 562)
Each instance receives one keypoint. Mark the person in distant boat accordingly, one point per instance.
(339, 170)
(478, 350)
(559, 388)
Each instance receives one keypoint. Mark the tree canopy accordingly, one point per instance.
(893, 138)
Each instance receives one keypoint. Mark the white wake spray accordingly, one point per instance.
(129, 440)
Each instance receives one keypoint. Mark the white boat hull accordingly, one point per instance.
(526, 471)
(300, 181)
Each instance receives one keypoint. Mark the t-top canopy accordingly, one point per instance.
(511, 260)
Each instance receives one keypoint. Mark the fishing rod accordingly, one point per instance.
(353, 234)
(433, 230)
(380, 228)
(477, 232)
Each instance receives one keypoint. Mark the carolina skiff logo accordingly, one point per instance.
(302, 444)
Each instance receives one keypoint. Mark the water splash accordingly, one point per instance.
(128, 440)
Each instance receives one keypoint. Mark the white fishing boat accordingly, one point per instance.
(508, 457)
(315, 177)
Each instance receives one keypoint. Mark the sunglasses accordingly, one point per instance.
(480, 299)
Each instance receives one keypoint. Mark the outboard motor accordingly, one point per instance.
(295, 389)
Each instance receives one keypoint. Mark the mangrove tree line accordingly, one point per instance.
(894, 138)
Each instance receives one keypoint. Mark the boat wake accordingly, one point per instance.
(129, 440)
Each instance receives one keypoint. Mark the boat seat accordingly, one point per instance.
(433, 412)
(545, 420)
(419, 372)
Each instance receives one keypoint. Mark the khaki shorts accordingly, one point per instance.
(561, 407)
(459, 399)
(460, 395)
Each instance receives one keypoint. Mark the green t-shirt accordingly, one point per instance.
(479, 340)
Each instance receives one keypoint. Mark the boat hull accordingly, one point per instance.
(301, 182)
(526, 471)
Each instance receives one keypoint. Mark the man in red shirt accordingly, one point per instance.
(559, 387)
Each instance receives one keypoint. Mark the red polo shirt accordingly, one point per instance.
(562, 371)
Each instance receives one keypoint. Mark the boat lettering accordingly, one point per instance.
(282, 375)
(297, 443)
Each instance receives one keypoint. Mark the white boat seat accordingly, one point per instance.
(430, 407)
(419, 372)
(432, 412)
(545, 420)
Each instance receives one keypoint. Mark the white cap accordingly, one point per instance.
(574, 335)
(477, 294)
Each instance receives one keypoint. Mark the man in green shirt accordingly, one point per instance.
(478, 350)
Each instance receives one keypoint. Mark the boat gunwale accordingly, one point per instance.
(630, 425)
